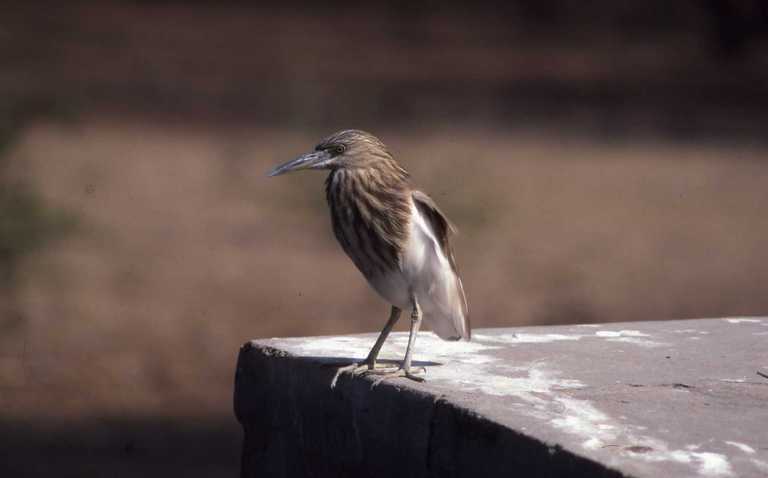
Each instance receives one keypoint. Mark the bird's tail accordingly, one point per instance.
(450, 319)
(449, 329)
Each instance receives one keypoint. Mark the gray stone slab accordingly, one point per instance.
(642, 399)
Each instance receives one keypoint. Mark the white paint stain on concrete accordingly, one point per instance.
(523, 338)
(581, 418)
(691, 331)
(741, 446)
(598, 431)
(532, 383)
(592, 444)
(634, 337)
(741, 320)
(707, 464)
(713, 464)
(620, 333)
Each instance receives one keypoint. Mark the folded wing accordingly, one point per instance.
(448, 313)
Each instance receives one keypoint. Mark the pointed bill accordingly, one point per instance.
(313, 160)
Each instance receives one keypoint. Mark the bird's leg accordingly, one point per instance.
(405, 368)
(394, 315)
(415, 324)
(369, 366)
(370, 362)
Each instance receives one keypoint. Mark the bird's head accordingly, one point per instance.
(350, 148)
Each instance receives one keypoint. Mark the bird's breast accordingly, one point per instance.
(370, 222)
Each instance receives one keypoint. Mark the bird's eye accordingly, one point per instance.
(338, 149)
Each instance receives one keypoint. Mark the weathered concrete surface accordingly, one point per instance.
(644, 399)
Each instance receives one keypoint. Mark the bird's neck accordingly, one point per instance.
(384, 178)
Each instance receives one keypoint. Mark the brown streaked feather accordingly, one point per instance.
(370, 215)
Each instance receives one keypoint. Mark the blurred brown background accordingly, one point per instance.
(604, 162)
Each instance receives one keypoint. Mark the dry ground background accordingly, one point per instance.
(601, 164)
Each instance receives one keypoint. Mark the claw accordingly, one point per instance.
(354, 369)
(398, 372)
(383, 372)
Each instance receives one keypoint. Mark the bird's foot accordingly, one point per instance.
(382, 371)
(353, 368)
(360, 369)
(399, 372)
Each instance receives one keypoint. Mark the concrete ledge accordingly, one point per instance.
(676, 398)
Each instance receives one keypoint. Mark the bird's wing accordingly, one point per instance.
(443, 229)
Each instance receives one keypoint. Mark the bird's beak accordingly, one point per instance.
(313, 160)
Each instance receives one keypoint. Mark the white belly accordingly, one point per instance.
(425, 274)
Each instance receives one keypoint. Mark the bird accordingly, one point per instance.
(396, 236)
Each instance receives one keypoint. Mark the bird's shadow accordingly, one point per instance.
(344, 361)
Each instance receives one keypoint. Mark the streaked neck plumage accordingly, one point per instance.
(370, 205)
